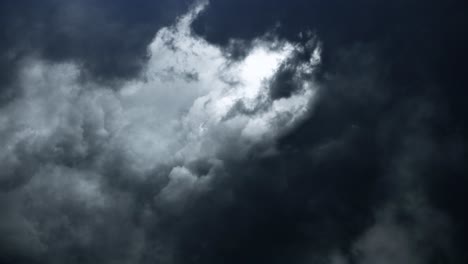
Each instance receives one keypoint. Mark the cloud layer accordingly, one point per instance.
(263, 131)
(68, 143)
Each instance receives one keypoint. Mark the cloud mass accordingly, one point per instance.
(232, 131)
(65, 140)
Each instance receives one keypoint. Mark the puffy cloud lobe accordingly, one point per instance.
(67, 141)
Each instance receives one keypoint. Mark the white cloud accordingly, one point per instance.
(178, 110)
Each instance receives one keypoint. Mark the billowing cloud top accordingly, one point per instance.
(64, 138)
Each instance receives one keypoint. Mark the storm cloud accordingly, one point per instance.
(232, 131)
(69, 144)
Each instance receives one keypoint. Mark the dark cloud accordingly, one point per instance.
(352, 151)
(108, 38)
(393, 89)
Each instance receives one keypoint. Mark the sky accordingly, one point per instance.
(233, 131)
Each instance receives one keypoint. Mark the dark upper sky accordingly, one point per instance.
(238, 131)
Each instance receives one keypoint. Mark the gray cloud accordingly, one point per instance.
(284, 132)
(69, 144)
(410, 233)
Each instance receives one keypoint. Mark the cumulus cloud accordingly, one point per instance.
(180, 108)
(275, 132)
(66, 139)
